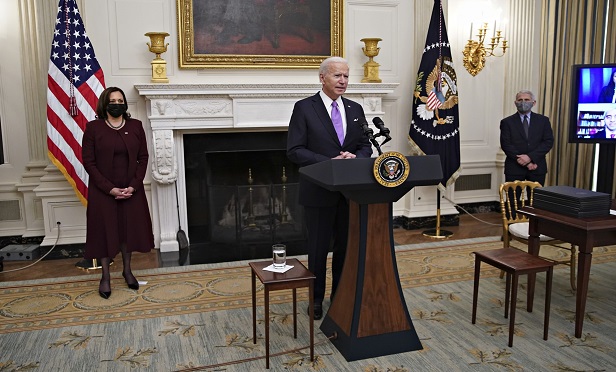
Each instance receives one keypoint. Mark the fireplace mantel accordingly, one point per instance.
(177, 109)
(229, 89)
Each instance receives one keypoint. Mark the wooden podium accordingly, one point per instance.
(368, 316)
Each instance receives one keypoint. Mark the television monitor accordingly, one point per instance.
(592, 96)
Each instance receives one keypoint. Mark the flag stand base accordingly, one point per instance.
(438, 233)
(88, 265)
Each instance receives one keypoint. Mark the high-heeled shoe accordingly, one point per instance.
(104, 295)
(134, 286)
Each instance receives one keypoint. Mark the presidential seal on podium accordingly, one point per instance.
(391, 169)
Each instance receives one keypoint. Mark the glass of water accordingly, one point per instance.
(280, 255)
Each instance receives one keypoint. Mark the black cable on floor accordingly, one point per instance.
(469, 213)
(37, 261)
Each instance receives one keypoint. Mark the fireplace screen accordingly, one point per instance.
(242, 197)
(252, 214)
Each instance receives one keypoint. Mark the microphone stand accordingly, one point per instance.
(368, 132)
(383, 132)
(375, 143)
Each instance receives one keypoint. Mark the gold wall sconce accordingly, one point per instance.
(476, 51)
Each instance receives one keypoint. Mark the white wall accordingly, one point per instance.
(120, 45)
(12, 115)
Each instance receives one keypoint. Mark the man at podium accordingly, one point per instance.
(322, 127)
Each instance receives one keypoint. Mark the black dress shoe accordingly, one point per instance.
(103, 294)
(134, 286)
(318, 311)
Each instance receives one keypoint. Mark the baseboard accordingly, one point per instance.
(408, 223)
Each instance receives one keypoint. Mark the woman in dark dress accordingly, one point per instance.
(115, 155)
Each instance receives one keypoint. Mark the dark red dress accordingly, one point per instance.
(116, 158)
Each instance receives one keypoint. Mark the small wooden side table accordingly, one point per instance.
(514, 263)
(297, 277)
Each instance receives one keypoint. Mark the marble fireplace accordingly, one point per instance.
(222, 145)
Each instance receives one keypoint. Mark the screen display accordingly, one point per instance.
(593, 104)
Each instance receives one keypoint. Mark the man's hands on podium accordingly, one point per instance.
(345, 155)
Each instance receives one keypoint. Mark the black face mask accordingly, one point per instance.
(116, 109)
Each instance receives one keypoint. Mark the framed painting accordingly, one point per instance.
(258, 33)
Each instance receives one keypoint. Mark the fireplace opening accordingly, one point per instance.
(241, 193)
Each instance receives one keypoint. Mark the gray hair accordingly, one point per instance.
(324, 68)
(532, 95)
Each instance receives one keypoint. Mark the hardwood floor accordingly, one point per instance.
(489, 224)
(470, 226)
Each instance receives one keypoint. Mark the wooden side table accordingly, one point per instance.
(514, 263)
(586, 233)
(297, 277)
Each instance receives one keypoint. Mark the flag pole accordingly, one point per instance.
(75, 81)
(438, 233)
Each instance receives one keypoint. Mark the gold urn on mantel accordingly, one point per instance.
(371, 68)
(157, 46)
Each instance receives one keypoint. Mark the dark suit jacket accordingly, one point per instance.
(513, 142)
(312, 139)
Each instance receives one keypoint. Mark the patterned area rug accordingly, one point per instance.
(199, 318)
(192, 289)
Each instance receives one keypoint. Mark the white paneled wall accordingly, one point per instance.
(120, 45)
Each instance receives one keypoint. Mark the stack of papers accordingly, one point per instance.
(572, 201)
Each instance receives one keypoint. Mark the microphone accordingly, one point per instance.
(378, 123)
(367, 130)
(383, 131)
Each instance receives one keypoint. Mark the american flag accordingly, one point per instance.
(435, 99)
(74, 82)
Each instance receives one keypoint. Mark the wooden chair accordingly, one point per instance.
(515, 195)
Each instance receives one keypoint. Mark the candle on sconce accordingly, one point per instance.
(476, 51)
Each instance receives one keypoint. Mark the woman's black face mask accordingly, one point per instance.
(116, 109)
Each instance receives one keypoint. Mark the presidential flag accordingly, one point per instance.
(74, 82)
(434, 128)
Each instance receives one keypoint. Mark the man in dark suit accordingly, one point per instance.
(609, 130)
(526, 148)
(313, 138)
